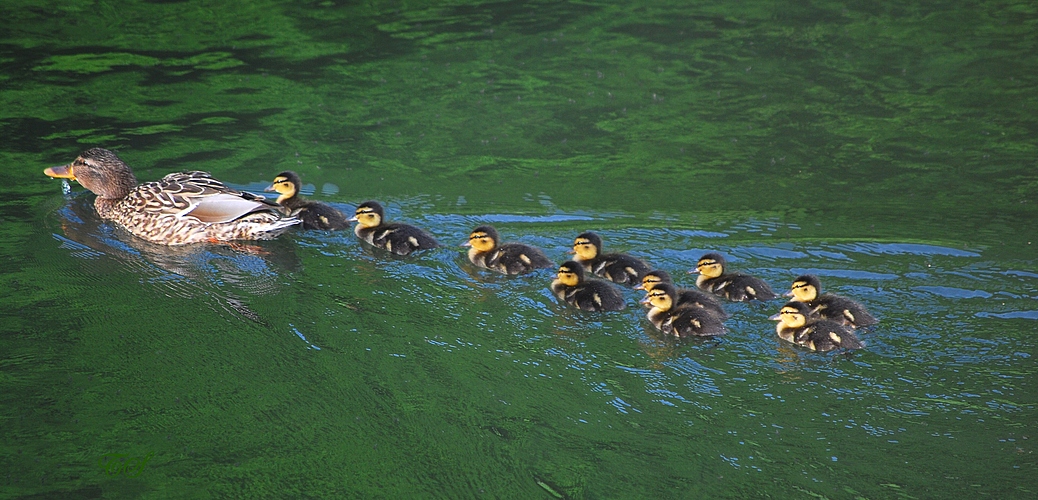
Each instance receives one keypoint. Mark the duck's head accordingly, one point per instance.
(100, 171)
(369, 214)
(570, 273)
(286, 184)
(710, 265)
(587, 245)
(661, 296)
(805, 288)
(483, 239)
(654, 278)
(793, 314)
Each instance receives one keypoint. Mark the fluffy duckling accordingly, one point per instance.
(680, 322)
(616, 267)
(180, 208)
(685, 297)
(588, 295)
(401, 239)
(314, 214)
(506, 258)
(736, 287)
(796, 325)
(807, 289)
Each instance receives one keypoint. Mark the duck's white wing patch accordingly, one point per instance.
(220, 208)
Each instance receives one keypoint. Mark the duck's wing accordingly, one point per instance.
(196, 194)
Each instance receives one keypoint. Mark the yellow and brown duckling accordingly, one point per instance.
(687, 321)
(314, 214)
(570, 287)
(616, 267)
(180, 208)
(401, 239)
(685, 297)
(736, 287)
(797, 325)
(808, 288)
(507, 258)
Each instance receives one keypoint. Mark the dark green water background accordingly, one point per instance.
(889, 147)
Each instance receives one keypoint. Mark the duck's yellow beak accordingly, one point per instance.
(60, 172)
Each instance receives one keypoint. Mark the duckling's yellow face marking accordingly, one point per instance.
(803, 292)
(710, 268)
(482, 241)
(584, 249)
(367, 217)
(567, 277)
(649, 282)
(791, 317)
(659, 299)
(283, 187)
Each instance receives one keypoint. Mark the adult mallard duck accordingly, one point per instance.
(180, 208)
(807, 289)
(509, 258)
(314, 214)
(685, 297)
(401, 239)
(570, 287)
(797, 325)
(736, 287)
(616, 267)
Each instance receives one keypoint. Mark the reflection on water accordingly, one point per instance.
(185, 271)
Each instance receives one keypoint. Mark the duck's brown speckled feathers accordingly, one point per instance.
(736, 287)
(585, 294)
(797, 325)
(507, 258)
(808, 288)
(180, 208)
(616, 267)
(401, 239)
(686, 297)
(680, 322)
(314, 214)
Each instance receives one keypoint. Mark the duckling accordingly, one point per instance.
(181, 208)
(401, 239)
(588, 295)
(686, 321)
(736, 287)
(796, 325)
(829, 306)
(616, 267)
(314, 214)
(506, 258)
(685, 297)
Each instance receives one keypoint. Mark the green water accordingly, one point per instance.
(888, 147)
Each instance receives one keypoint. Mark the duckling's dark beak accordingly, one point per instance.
(353, 219)
(694, 270)
(775, 317)
(60, 172)
(645, 300)
(788, 294)
(640, 287)
(571, 251)
(467, 243)
(269, 188)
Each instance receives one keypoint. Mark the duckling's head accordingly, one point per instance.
(369, 214)
(587, 245)
(661, 296)
(483, 239)
(570, 273)
(793, 314)
(100, 171)
(805, 288)
(654, 278)
(286, 184)
(710, 265)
